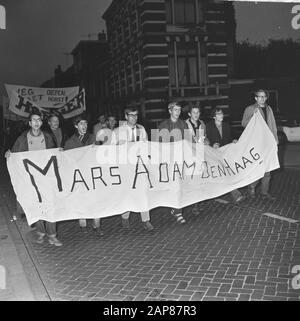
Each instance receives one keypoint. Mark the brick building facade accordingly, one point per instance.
(163, 50)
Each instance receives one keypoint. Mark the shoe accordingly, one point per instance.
(125, 224)
(40, 239)
(239, 199)
(148, 226)
(54, 241)
(99, 231)
(268, 197)
(179, 217)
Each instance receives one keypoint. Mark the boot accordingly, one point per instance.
(148, 226)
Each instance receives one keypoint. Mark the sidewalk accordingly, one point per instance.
(21, 281)
(15, 285)
(229, 252)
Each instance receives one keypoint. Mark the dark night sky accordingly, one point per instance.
(40, 31)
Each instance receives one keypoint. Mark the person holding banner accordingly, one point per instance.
(219, 134)
(104, 135)
(32, 140)
(197, 130)
(176, 130)
(266, 111)
(111, 122)
(131, 131)
(100, 125)
(196, 126)
(79, 139)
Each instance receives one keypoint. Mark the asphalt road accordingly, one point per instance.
(291, 155)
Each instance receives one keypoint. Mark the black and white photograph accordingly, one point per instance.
(149, 154)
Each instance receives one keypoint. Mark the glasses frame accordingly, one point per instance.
(132, 115)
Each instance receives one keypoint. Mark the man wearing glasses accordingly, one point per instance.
(266, 111)
(131, 131)
(36, 139)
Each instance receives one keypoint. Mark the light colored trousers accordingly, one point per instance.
(145, 216)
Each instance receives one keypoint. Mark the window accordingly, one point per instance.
(115, 40)
(169, 11)
(129, 27)
(126, 30)
(172, 70)
(132, 72)
(187, 64)
(138, 19)
(203, 71)
(123, 76)
(185, 11)
(201, 8)
(78, 61)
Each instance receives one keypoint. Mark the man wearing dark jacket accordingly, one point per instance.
(218, 133)
(82, 138)
(171, 130)
(266, 111)
(56, 130)
(32, 140)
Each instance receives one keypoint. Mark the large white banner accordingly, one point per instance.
(99, 181)
(68, 101)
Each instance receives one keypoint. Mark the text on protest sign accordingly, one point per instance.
(68, 101)
(99, 181)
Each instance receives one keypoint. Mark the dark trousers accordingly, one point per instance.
(265, 183)
(235, 194)
(44, 227)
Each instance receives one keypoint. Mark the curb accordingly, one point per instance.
(35, 288)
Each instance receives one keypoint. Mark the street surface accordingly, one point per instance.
(228, 252)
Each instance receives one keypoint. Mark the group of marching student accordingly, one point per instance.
(215, 133)
(51, 134)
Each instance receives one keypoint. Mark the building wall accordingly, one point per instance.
(90, 70)
(156, 45)
(90, 61)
